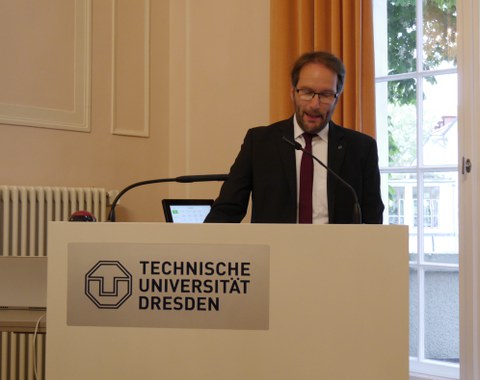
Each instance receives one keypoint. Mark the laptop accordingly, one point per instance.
(186, 210)
(23, 283)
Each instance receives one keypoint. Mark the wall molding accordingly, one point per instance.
(77, 119)
(145, 130)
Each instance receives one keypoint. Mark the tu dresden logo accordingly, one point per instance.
(108, 284)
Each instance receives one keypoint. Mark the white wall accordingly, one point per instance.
(219, 84)
(187, 76)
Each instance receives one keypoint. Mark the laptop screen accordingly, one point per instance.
(186, 210)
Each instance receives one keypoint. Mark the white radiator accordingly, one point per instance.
(24, 215)
(22, 356)
(25, 212)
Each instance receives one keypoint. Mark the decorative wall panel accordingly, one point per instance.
(45, 67)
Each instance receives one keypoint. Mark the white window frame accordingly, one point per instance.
(420, 367)
(469, 140)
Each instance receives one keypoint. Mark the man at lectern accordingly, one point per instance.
(278, 165)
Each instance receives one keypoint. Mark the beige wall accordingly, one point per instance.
(173, 87)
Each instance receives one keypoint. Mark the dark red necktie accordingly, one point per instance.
(306, 183)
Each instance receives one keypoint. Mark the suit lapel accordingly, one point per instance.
(337, 147)
(287, 155)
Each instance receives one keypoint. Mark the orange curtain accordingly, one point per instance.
(342, 27)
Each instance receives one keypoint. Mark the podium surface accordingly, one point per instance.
(332, 303)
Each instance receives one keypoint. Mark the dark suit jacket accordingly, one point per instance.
(265, 168)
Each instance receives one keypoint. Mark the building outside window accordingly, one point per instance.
(417, 134)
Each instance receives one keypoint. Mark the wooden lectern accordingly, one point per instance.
(333, 302)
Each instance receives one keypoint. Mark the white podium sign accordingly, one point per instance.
(332, 302)
(168, 285)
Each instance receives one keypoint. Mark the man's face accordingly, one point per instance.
(313, 115)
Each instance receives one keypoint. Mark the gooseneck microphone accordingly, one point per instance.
(357, 211)
(181, 179)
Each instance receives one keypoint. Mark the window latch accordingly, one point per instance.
(466, 165)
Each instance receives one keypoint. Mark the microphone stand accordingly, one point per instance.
(181, 179)
(357, 211)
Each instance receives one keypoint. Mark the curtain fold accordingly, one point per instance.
(342, 27)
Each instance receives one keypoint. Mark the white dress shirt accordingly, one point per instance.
(319, 150)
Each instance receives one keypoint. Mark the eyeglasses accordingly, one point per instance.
(323, 97)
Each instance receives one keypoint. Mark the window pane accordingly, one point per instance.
(402, 39)
(397, 134)
(398, 191)
(414, 313)
(440, 142)
(440, 217)
(417, 136)
(439, 34)
(442, 316)
(382, 117)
